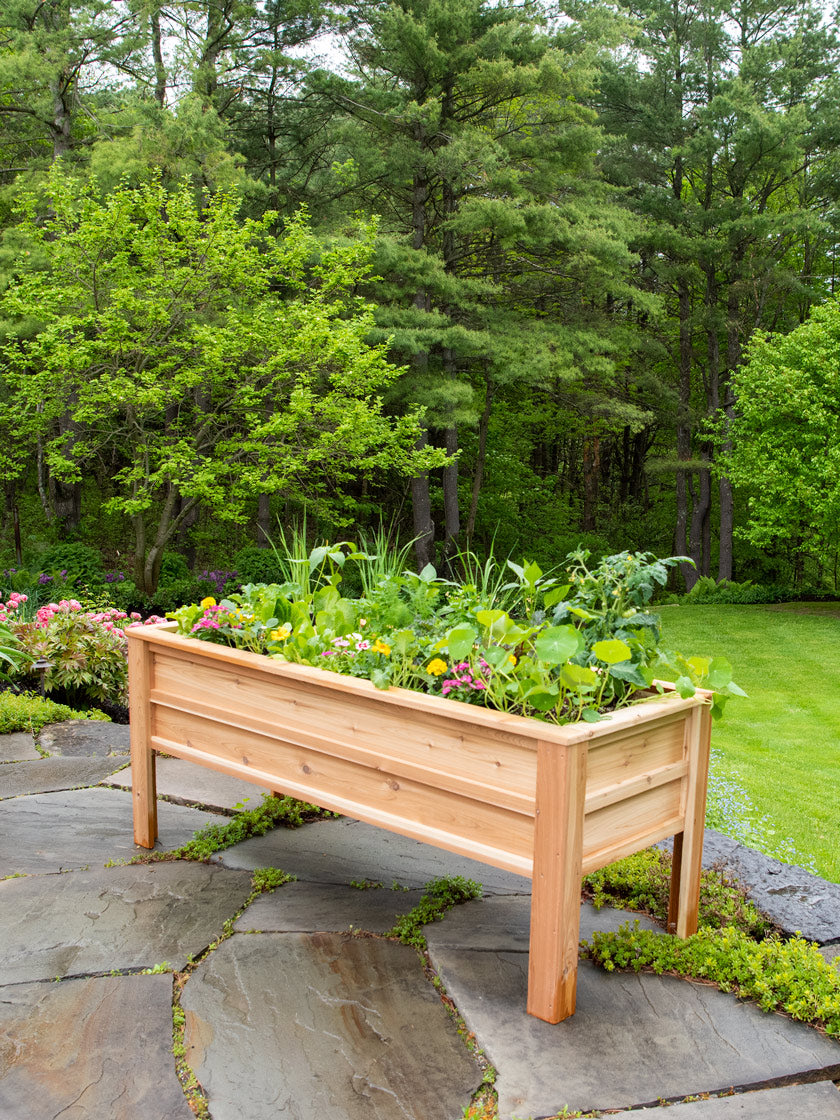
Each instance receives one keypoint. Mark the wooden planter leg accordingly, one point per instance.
(143, 783)
(684, 901)
(555, 902)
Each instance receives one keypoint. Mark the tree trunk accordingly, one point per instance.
(157, 54)
(421, 504)
(478, 475)
(264, 520)
(591, 472)
(424, 527)
(727, 504)
(451, 506)
(684, 432)
(701, 500)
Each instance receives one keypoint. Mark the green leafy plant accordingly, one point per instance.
(642, 882)
(27, 712)
(272, 811)
(599, 650)
(439, 896)
(780, 975)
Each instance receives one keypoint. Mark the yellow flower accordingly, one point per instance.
(512, 659)
(208, 602)
(381, 647)
(281, 633)
(436, 667)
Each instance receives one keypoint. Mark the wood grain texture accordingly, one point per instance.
(555, 898)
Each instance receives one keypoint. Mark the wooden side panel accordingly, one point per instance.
(635, 753)
(632, 820)
(366, 790)
(495, 759)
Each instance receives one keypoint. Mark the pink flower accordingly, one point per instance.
(362, 645)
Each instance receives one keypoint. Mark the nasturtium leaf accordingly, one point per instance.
(699, 665)
(590, 715)
(460, 641)
(578, 677)
(489, 618)
(684, 687)
(496, 656)
(543, 699)
(720, 673)
(612, 651)
(557, 644)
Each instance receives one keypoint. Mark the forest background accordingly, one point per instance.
(497, 275)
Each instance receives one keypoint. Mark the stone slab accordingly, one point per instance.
(794, 1102)
(338, 851)
(325, 908)
(831, 953)
(324, 1025)
(633, 1040)
(793, 899)
(189, 784)
(88, 737)
(86, 1049)
(52, 832)
(18, 747)
(119, 918)
(51, 774)
(503, 923)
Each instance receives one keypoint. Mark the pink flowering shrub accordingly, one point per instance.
(86, 649)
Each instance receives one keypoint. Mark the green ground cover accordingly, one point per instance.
(776, 767)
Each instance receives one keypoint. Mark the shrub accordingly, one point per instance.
(26, 712)
(257, 565)
(86, 649)
(173, 568)
(81, 563)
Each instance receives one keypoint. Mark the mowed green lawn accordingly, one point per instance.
(782, 745)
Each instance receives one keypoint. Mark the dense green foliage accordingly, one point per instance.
(642, 882)
(780, 975)
(531, 646)
(553, 230)
(270, 813)
(25, 712)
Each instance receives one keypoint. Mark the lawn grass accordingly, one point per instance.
(782, 745)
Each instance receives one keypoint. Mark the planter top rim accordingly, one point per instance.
(666, 706)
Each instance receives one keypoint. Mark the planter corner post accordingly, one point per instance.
(143, 781)
(555, 900)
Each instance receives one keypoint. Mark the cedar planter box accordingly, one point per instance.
(552, 803)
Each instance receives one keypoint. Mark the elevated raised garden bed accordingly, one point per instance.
(552, 803)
